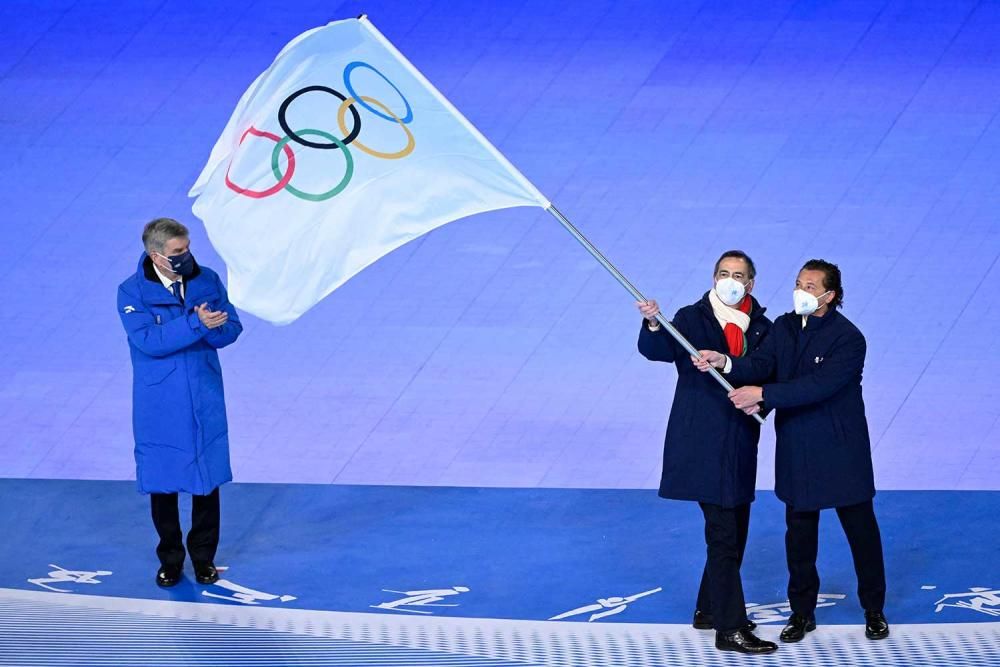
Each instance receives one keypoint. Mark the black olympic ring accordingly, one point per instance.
(312, 144)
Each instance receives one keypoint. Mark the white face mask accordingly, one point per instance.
(730, 291)
(806, 303)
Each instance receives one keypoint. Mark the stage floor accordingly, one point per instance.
(373, 575)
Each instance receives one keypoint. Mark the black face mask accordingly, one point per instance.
(182, 264)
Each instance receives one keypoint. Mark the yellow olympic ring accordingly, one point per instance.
(410, 141)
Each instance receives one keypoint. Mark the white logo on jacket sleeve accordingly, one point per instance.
(129, 309)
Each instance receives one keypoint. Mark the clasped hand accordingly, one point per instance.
(212, 319)
(747, 399)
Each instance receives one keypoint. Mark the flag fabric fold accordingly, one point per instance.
(338, 153)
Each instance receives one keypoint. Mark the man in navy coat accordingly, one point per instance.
(710, 449)
(176, 315)
(811, 366)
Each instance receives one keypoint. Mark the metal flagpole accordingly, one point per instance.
(678, 336)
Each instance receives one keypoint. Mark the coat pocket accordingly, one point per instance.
(158, 370)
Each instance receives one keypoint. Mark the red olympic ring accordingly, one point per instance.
(286, 179)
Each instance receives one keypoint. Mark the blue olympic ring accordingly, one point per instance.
(357, 98)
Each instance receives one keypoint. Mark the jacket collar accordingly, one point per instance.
(814, 323)
(152, 289)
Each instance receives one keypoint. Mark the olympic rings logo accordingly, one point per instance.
(283, 178)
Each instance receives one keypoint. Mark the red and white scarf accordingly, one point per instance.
(734, 321)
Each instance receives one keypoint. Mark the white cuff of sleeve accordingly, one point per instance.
(729, 365)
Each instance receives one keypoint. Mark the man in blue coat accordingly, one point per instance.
(710, 449)
(176, 315)
(811, 366)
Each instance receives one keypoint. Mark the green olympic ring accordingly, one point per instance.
(337, 189)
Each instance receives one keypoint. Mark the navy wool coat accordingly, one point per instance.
(178, 407)
(710, 449)
(812, 377)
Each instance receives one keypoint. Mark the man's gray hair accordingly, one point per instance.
(156, 234)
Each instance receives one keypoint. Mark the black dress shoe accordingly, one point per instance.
(743, 641)
(168, 575)
(876, 627)
(703, 621)
(797, 628)
(205, 573)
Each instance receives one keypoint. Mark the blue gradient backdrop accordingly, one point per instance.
(494, 351)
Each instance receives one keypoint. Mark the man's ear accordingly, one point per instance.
(159, 260)
(749, 287)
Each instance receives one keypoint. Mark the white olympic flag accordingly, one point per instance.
(338, 153)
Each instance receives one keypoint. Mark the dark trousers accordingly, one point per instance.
(203, 538)
(721, 591)
(802, 544)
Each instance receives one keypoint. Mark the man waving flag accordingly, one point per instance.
(340, 152)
